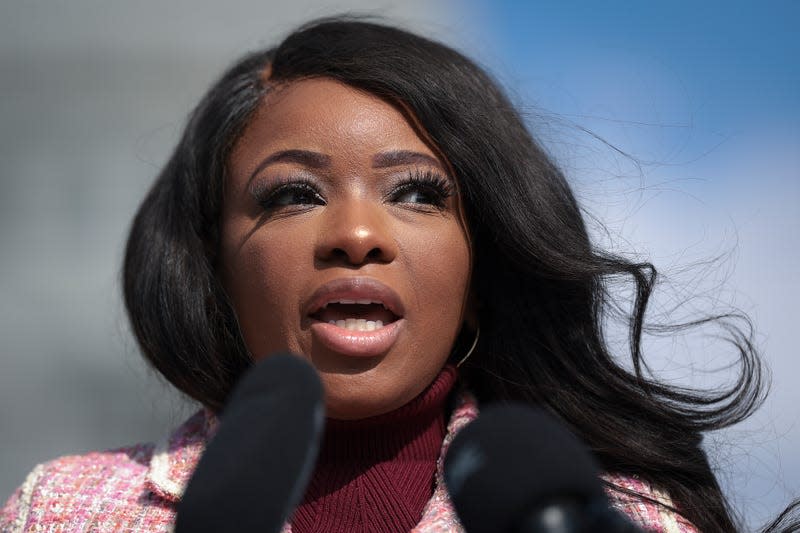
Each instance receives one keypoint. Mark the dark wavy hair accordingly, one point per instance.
(543, 287)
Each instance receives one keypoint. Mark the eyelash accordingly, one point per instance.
(432, 183)
(435, 186)
(269, 198)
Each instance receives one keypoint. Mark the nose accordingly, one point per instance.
(355, 233)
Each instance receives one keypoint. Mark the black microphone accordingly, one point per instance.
(515, 469)
(256, 468)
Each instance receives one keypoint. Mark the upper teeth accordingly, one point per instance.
(357, 324)
(361, 302)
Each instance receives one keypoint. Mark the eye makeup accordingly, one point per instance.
(285, 192)
(420, 189)
(423, 188)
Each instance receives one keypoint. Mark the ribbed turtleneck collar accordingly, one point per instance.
(376, 474)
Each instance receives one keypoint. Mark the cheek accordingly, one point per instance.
(439, 267)
(442, 264)
(260, 272)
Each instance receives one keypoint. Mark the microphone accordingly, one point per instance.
(256, 468)
(515, 469)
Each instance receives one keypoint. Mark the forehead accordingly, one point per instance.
(330, 117)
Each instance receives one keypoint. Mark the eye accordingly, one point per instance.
(423, 189)
(292, 193)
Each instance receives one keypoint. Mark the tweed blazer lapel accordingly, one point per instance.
(176, 456)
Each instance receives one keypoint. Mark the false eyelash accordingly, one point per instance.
(265, 194)
(428, 181)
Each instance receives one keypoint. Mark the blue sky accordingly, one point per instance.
(727, 53)
(702, 73)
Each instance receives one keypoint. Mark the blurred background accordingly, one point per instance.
(678, 124)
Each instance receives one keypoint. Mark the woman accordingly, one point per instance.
(370, 200)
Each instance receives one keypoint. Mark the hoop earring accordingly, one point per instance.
(471, 348)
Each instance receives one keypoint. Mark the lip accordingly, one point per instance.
(356, 343)
(355, 289)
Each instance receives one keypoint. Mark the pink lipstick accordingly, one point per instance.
(359, 317)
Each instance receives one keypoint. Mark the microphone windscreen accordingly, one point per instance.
(256, 468)
(511, 459)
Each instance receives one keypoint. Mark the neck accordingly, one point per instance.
(376, 474)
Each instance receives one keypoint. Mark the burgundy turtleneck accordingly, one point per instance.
(377, 474)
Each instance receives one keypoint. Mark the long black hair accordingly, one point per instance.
(542, 285)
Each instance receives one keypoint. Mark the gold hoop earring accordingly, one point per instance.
(471, 348)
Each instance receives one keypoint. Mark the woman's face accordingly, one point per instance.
(342, 242)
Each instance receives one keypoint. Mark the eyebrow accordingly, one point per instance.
(308, 158)
(303, 157)
(398, 158)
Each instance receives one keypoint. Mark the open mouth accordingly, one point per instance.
(355, 315)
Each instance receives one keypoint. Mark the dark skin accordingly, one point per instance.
(332, 184)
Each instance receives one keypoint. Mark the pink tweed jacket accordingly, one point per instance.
(137, 488)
